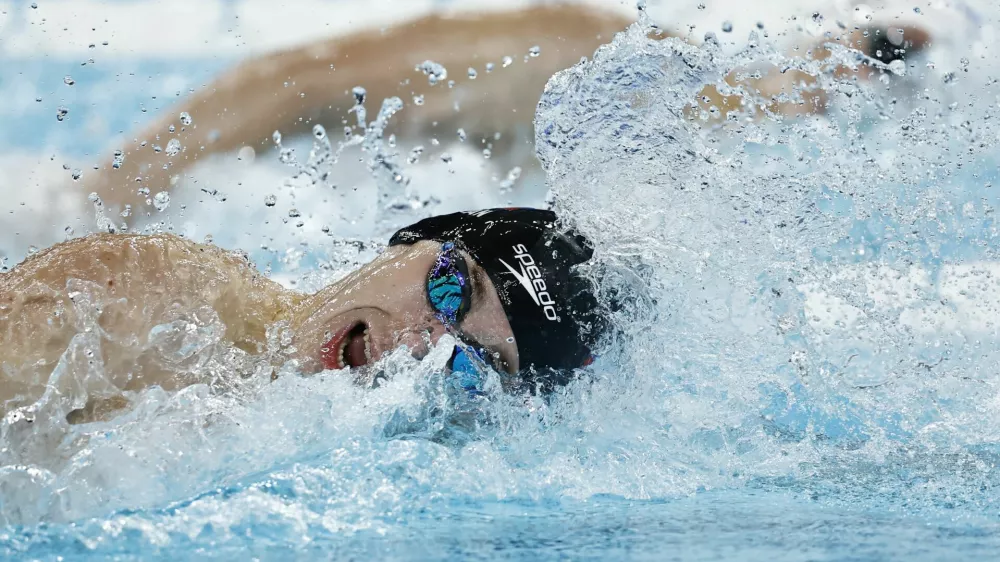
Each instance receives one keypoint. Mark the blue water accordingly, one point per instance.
(811, 373)
(752, 524)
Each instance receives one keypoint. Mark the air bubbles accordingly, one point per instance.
(161, 201)
(185, 119)
(173, 147)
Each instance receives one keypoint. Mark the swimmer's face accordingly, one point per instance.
(385, 305)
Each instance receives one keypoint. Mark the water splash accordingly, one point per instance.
(807, 272)
(816, 315)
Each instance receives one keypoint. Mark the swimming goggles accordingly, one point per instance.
(449, 290)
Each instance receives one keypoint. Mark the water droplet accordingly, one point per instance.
(760, 25)
(118, 159)
(173, 147)
(38, 99)
(61, 113)
(898, 67)
(963, 63)
(359, 94)
(77, 174)
(510, 339)
(418, 100)
(34, 5)
(270, 201)
(472, 73)
(489, 67)
(414, 156)
(507, 61)
(68, 230)
(461, 135)
(32, 249)
(171, 128)
(446, 157)
(319, 132)
(161, 200)
(68, 80)
(487, 153)
(435, 72)
(512, 177)
(246, 154)
(534, 51)
(276, 137)
(701, 6)
(392, 141)
(727, 26)
(294, 213)
(186, 118)
(916, 10)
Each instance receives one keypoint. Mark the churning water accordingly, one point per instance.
(810, 370)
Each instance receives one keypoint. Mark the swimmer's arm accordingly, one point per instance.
(132, 283)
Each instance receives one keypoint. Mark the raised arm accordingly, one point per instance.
(294, 89)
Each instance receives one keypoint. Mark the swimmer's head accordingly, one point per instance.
(531, 262)
(503, 280)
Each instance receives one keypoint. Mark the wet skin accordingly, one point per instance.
(121, 286)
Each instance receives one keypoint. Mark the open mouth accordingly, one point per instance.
(350, 347)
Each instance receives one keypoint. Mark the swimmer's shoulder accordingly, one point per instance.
(110, 257)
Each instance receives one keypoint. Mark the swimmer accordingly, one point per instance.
(502, 282)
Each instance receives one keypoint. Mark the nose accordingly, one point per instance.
(419, 338)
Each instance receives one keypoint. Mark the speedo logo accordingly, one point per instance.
(530, 278)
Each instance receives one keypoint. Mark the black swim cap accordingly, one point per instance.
(551, 308)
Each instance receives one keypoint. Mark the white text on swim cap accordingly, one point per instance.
(530, 278)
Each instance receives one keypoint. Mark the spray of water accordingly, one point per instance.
(810, 306)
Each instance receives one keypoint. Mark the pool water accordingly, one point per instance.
(808, 370)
